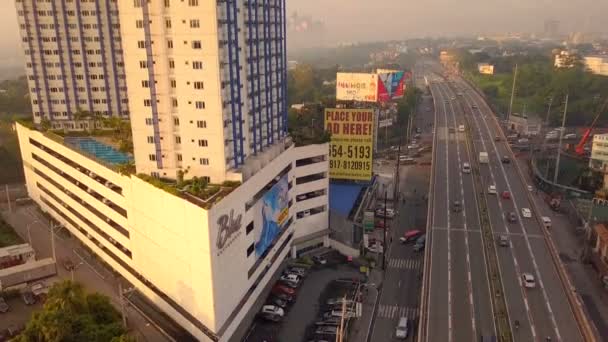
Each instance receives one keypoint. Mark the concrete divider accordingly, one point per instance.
(575, 305)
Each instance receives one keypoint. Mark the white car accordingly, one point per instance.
(525, 212)
(492, 189)
(528, 281)
(291, 280)
(461, 128)
(272, 310)
(546, 222)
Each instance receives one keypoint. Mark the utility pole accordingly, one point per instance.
(53, 241)
(8, 198)
(384, 248)
(559, 146)
(512, 95)
(122, 305)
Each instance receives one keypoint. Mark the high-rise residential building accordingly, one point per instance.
(207, 83)
(73, 57)
(206, 95)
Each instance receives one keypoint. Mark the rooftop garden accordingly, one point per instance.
(196, 190)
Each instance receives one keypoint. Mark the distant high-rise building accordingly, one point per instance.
(551, 28)
(73, 59)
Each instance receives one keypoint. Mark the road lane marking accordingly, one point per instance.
(463, 213)
(525, 235)
(406, 264)
(397, 311)
(513, 255)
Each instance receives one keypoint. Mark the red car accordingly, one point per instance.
(280, 288)
(379, 224)
(411, 235)
(506, 195)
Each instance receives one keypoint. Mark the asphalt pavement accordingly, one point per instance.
(542, 311)
(400, 294)
(459, 304)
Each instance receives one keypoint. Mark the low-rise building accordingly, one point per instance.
(599, 152)
(203, 256)
(597, 64)
(599, 255)
(485, 68)
(565, 59)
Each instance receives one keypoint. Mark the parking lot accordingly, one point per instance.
(17, 315)
(322, 282)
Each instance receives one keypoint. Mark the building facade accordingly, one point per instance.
(178, 250)
(207, 83)
(597, 65)
(73, 57)
(599, 152)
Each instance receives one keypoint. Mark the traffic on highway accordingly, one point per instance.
(491, 273)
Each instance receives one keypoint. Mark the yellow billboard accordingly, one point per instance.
(351, 145)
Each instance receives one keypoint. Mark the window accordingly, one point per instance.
(179, 157)
(152, 157)
(168, 23)
(203, 143)
(176, 121)
(139, 23)
(138, 3)
(150, 140)
(167, 3)
(197, 65)
(196, 44)
(147, 103)
(194, 23)
(178, 139)
(173, 84)
(170, 44)
(148, 121)
(201, 124)
(204, 161)
(171, 64)
(198, 85)
(250, 250)
(249, 228)
(141, 44)
(200, 104)
(145, 84)
(192, 2)
(143, 64)
(174, 102)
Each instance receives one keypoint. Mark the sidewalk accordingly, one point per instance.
(361, 329)
(570, 247)
(88, 270)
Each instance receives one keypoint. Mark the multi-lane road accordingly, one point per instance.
(459, 305)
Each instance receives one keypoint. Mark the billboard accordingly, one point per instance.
(274, 209)
(486, 69)
(356, 87)
(391, 84)
(350, 148)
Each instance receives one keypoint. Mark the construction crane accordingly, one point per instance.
(580, 148)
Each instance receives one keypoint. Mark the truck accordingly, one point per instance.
(483, 157)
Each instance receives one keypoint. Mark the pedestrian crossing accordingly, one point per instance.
(405, 264)
(396, 311)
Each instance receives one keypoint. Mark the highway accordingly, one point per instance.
(543, 311)
(459, 302)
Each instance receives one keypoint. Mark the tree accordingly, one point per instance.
(70, 314)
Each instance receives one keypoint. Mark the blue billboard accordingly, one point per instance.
(275, 210)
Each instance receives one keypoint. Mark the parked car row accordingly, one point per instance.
(283, 293)
(332, 312)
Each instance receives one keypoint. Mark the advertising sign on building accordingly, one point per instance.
(350, 148)
(356, 87)
(274, 210)
(391, 85)
(369, 220)
(486, 69)
(385, 123)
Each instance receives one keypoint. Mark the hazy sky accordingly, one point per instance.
(386, 19)
(353, 20)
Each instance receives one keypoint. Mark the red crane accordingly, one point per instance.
(580, 147)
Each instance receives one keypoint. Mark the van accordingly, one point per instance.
(461, 128)
(570, 136)
(466, 168)
(403, 328)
